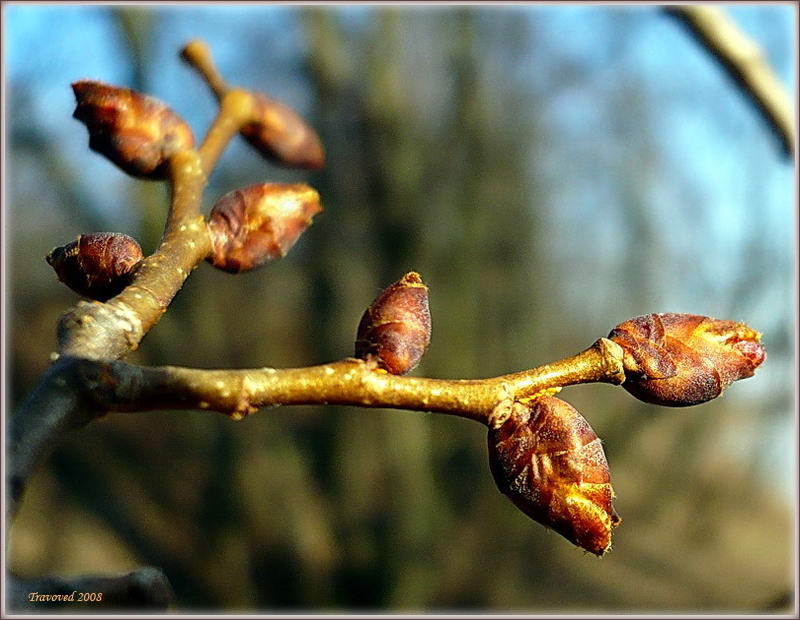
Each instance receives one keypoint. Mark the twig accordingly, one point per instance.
(117, 386)
(77, 390)
(197, 54)
(110, 330)
(235, 110)
(744, 61)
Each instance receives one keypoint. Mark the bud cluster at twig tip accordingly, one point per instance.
(685, 359)
(547, 459)
(136, 132)
(97, 265)
(395, 329)
(258, 223)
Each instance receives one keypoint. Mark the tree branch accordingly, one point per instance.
(744, 62)
(236, 108)
(77, 390)
(87, 379)
(117, 386)
(56, 406)
(110, 330)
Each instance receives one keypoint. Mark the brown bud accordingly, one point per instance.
(282, 136)
(546, 458)
(685, 359)
(257, 223)
(136, 132)
(97, 265)
(396, 328)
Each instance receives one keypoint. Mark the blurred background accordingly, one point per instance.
(551, 172)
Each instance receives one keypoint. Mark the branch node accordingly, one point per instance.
(613, 356)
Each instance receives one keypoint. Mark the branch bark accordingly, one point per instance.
(117, 386)
(743, 60)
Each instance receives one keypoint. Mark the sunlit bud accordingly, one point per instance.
(136, 132)
(258, 223)
(685, 359)
(97, 265)
(277, 132)
(282, 136)
(546, 458)
(396, 328)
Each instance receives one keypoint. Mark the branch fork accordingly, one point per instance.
(543, 453)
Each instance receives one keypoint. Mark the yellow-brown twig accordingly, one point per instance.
(198, 56)
(235, 111)
(125, 387)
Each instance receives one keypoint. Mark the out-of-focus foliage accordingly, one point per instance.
(550, 172)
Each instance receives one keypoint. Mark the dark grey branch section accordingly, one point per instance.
(58, 405)
(55, 407)
(146, 588)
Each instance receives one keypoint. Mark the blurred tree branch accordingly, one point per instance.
(744, 62)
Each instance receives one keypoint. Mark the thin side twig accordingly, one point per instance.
(106, 331)
(112, 329)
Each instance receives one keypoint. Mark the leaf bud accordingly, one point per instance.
(396, 328)
(136, 132)
(547, 459)
(679, 360)
(258, 223)
(282, 136)
(97, 265)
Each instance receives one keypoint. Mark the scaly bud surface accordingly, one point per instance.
(136, 132)
(258, 223)
(282, 136)
(97, 265)
(396, 328)
(680, 360)
(547, 459)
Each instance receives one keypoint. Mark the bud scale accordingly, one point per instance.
(259, 223)
(680, 360)
(136, 132)
(395, 329)
(97, 265)
(547, 459)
